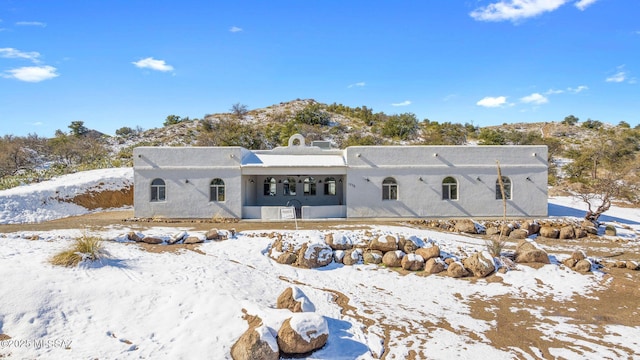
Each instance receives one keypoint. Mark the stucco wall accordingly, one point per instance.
(474, 168)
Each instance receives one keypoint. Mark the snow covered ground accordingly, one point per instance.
(189, 305)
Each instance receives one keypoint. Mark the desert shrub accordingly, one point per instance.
(85, 248)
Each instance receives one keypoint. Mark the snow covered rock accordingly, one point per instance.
(479, 264)
(632, 265)
(303, 333)
(177, 237)
(384, 243)
(294, 299)
(314, 255)
(549, 232)
(412, 262)
(434, 266)
(338, 241)
(457, 270)
(372, 257)
(408, 246)
(193, 240)
(256, 343)
(212, 234)
(393, 258)
(429, 252)
(352, 256)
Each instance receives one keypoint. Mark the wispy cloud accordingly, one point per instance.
(583, 4)
(619, 76)
(11, 53)
(573, 90)
(578, 89)
(404, 103)
(492, 102)
(31, 73)
(514, 10)
(31, 23)
(535, 98)
(235, 29)
(358, 84)
(554, 92)
(153, 64)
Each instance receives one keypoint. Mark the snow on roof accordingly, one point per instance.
(289, 160)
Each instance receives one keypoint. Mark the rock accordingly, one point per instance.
(610, 230)
(566, 232)
(621, 264)
(457, 270)
(256, 343)
(466, 226)
(581, 232)
(294, 299)
(412, 262)
(384, 243)
(492, 231)
(533, 256)
(526, 245)
(303, 333)
(134, 236)
(314, 255)
(578, 255)
(479, 264)
(569, 262)
(212, 235)
(338, 255)
(429, 252)
(434, 266)
(532, 227)
(372, 257)
(393, 258)
(519, 234)
(352, 257)
(151, 240)
(588, 223)
(286, 258)
(632, 265)
(408, 246)
(338, 241)
(193, 240)
(177, 237)
(549, 232)
(583, 266)
(590, 230)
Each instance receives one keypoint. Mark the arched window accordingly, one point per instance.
(309, 186)
(507, 188)
(158, 190)
(449, 188)
(270, 186)
(389, 189)
(289, 187)
(329, 186)
(217, 190)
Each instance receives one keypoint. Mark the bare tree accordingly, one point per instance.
(239, 110)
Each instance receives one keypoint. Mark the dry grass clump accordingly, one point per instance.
(495, 246)
(85, 248)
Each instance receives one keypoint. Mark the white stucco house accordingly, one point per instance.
(356, 182)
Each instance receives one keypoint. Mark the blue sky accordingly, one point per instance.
(131, 63)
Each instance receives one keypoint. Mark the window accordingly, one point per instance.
(158, 190)
(289, 187)
(217, 190)
(270, 186)
(389, 189)
(449, 189)
(330, 186)
(507, 188)
(309, 186)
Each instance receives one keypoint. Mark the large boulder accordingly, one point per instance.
(518, 234)
(412, 262)
(303, 333)
(532, 227)
(434, 266)
(286, 258)
(294, 299)
(192, 240)
(567, 232)
(151, 240)
(409, 245)
(256, 343)
(134, 236)
(338, 241)
(393, 258)
(352, 256)
(583, 266)
(466, 226)
(175, 238)
(372, 257)
(533, 256)
(576, 256)
(384, 243)
(431, 251)
(457, 270)
(212, 234)
(314, 255)
(632, 265)
(549, 232)
(480, 264)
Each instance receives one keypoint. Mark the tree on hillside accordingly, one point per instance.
(15, 155)
(313, 115)
(172, 120)
(239, 110)
(78, 128)
(570, 120)
(403, 126)
(491, 137)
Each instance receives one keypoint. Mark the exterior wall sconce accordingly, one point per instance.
(251, 181)
(435, 154)
(231, 156)
(421, 179)
(535, 154)
(478, 178)
(139, 155)
(529, 179)
(186, 181)
(340, 181)
(358, 155)
(367, 179)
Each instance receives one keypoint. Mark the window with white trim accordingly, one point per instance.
(389, 189)
(217, 191)
(158, 190)
(449, 188)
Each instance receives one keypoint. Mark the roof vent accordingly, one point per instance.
(322, 144)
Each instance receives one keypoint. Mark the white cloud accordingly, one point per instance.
(618, 77)
(404, 103)
(535, 98)
(31, 23)
(583, 4)
(492, 102)
(235, 29)
(514, 10)
(358, 84)
(12, 53)
(553, 92)
(578, 89)
(32, 73)
(153, 64)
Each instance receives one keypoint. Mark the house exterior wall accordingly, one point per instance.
(417, 170)
(187, 173)
(474, 169)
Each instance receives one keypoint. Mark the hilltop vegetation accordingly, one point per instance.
(583, 155)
